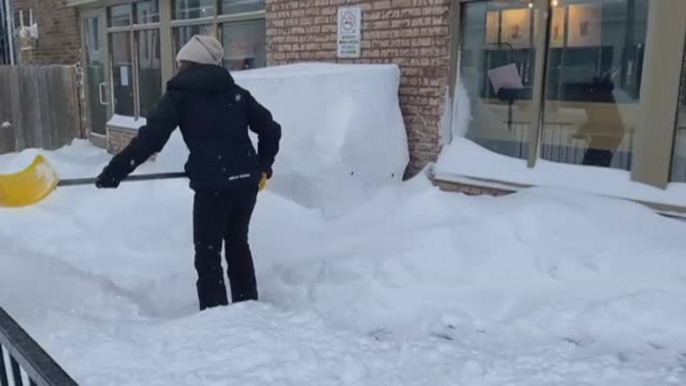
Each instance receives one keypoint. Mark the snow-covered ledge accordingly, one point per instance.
(126, 122)
(465, 162)
(120, 130)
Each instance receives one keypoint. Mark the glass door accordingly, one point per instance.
(96, 71)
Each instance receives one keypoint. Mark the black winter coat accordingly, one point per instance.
(214, 116)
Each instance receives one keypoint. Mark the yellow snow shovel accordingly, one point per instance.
(37, 181)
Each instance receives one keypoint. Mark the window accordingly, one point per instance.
(239, 25)
(147, 12)
(120, 16)
(498, 57)
(593, 82)
(678, 173)
(588, 78)
(243, 34)
(244, 45)
(139, 67)
(136, 60)
(193, 9)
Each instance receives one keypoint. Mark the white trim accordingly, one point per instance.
(254, 15)
(192, 22)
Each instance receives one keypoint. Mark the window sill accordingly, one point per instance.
(465, 162)
(126, 122)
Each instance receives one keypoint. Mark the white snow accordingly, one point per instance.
(411, 287)
(460, 113)
(343, 131)
(464, 158)
(126, 122)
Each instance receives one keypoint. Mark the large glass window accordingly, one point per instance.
(244, 45)
(193, 9)
(497, 62)
(593, 81)
(590, 83)
(135, 36)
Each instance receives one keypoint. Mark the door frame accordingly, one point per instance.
(105, 88)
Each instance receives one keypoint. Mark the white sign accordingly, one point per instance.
(124, 73)
(349, 31)
(505, 76)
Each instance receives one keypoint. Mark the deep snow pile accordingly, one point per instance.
(413, 287)
(343, 131)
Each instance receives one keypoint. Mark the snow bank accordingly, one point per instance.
(464, 158)
(456, 115)
(343, 131)
(415, 287)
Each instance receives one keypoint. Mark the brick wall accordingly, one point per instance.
(414, 34)
(58, 36)
(119, 138)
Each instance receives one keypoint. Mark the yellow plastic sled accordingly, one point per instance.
(37, 181)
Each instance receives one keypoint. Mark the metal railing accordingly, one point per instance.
(28, 362)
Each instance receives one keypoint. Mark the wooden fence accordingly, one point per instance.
(40, 107)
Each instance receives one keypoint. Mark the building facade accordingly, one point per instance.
(593, 83)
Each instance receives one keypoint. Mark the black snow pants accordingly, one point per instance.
(223, 217)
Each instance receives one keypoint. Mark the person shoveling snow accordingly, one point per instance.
(214, 115)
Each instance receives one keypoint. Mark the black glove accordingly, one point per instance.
(107, 180)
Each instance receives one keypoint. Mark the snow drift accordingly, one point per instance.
(464, 158)
(343, 131)
(415, 287)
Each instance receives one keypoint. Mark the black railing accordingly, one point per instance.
(26, 356)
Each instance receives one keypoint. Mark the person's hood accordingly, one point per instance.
(202, 79)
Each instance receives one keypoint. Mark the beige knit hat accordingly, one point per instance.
(202, 49)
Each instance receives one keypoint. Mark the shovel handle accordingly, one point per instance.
(142, 177)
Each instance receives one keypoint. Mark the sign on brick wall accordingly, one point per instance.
(349, 32)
